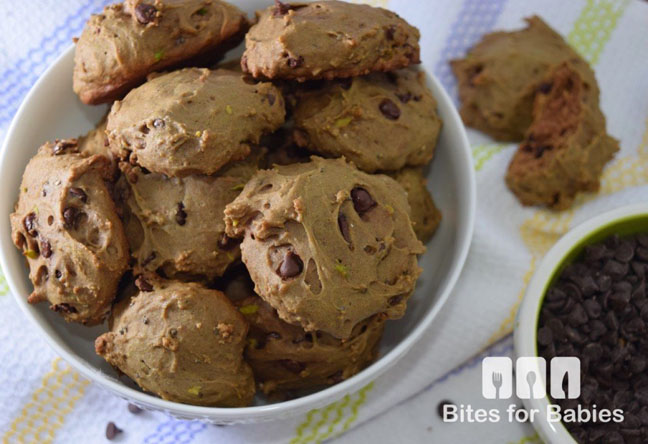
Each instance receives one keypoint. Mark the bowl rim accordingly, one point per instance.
(563, 252)
(314, 400)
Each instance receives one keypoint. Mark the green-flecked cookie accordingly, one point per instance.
(327, 39)
(327, 245)
(193, 121)
(182, 342)
(501, 74)
(127, 41)
(383, 121)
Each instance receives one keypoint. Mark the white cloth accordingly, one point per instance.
(44, 400)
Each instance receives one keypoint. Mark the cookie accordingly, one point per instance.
(327, 39)
(379, 122)
(67, 227)
(193, 121)
(175, 225)
(500, 76)
(95, 142)
(127, 41)
(565, 148)
(424, 214)
(284, 357)
(326, 244)
(182, 342)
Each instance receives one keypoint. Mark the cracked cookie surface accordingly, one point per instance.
(67, 226)
(182, 342)
(175, 225)
(304, 41)
(326, 244)
(383, 121)
(566, 146)
(499, 77)
(193, 121)
(127, 41)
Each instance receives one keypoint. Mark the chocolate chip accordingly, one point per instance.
(70, 217)
(145, 13)
(336, 377)
(30, 224)
(395, 300)
(540, 150)
(295, 62)
(345, 82)
(577, 316)
(292, 365)
(271, 99)
(134, 409)
(593, 351)
(624, 252)
(58, 274)
(343, 225)
(592, 308)
(544, 87)
(159, 123)
(404, 97)
(112, 431)
(290, 266)
(642, 253)
(601, 304)
(79, 194)
(143, 284)
(273, 335)
(545, 336)
(46, 248)
(389, 32)
(362, 200)
(389, 109)
(61, 146)
(64, 307)
(181, 215)
(149, 259)
(280, 8)
(227, 243)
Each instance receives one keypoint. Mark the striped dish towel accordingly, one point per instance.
(44, 400)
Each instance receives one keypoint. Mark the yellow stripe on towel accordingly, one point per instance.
(45, 413)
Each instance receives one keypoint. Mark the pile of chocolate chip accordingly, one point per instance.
(598, 311)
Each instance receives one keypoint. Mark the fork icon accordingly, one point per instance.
(497, 383)
(497, 377)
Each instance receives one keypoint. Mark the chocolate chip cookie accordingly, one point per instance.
(182, 342)
(424, 214)
(383, 121)
(327, 39)
(67, 227)
(326, 244)
(565, 148)
(285, 357)
(500, 76)
(175, 225)
(121, 46)
(193, 121)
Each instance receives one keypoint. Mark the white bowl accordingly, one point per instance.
(51, 110)
(623, 221)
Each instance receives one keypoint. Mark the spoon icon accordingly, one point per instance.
(531, 380)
